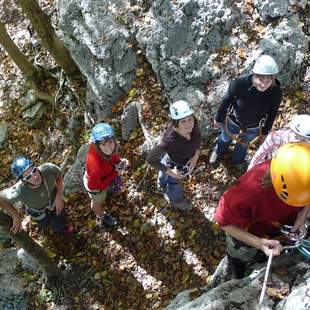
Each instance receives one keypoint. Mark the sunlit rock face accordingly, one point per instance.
(101, 47)
(195, 47)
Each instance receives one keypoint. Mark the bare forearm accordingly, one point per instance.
(242, 235)
(9, 208)
(305, 212)
(59, 185)
(196, 155)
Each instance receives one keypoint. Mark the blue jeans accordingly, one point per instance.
(171, 186)
(224, 141)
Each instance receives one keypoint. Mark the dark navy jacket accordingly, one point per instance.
(250, 105)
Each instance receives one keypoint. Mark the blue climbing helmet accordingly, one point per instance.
(101, 132)
(20, 165)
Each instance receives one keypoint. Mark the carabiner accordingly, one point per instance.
(293, 236)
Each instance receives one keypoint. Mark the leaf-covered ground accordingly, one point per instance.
(157, 252)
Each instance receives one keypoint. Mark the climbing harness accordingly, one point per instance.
(183, 169)
(38, 215)
(297, 241)
(238, 137)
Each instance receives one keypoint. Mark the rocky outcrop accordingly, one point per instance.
(102, 48)
(289, 277)
(12, 293)
(73, 180)
(129, 120)
(34, 109)
(189, 44)
(288, 45)
(178, 39)
(4, 128)
(278, 8)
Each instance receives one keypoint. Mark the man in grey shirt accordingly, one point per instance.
(39, 189)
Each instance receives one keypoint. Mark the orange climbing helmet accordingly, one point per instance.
(290, 173)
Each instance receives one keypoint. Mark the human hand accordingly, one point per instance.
(300, 226)
(17, 224)
(97, 208)
(191, 164)
(217, 125)
(59, 204)
(270, 247)
(121, 165)
(300, 222)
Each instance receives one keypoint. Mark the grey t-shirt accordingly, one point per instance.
(35, 198)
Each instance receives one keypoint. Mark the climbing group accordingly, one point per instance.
(275, 191)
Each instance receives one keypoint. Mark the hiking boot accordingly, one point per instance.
(213, 157)
(107, 220)
(235, 268)
(184, 205)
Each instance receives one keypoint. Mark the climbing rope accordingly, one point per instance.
(297, 242)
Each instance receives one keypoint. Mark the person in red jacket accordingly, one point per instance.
(103, 169)
(271, 194)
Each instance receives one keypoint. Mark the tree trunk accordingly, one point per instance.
(33, 74)
(52, 272)
(42, 24)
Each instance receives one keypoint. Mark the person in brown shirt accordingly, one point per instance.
(176, 154)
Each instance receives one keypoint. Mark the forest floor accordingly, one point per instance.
(157, 252)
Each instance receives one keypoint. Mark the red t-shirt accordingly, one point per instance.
(99, 172)
(251, 207)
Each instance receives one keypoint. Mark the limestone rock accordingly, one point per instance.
(102, 49)
(4, 127)
(34, 114)
(129, 120)
(12, 293)
(28, 99)
(244, 293)
(73, 180)
(288, 45)
(178, 39)
(27, 260)
(271, 8)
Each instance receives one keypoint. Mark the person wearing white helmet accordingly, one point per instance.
(248, 110)
(176, 154)
(299, 131)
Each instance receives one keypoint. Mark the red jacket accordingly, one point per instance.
(99, 172)
(251, 207)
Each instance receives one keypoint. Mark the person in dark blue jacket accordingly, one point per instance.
(248, 110)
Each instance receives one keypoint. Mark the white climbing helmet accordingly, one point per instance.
(180, 109)
(265, 65)
(300, 125)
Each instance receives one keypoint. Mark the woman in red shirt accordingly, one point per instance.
(103, 167)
